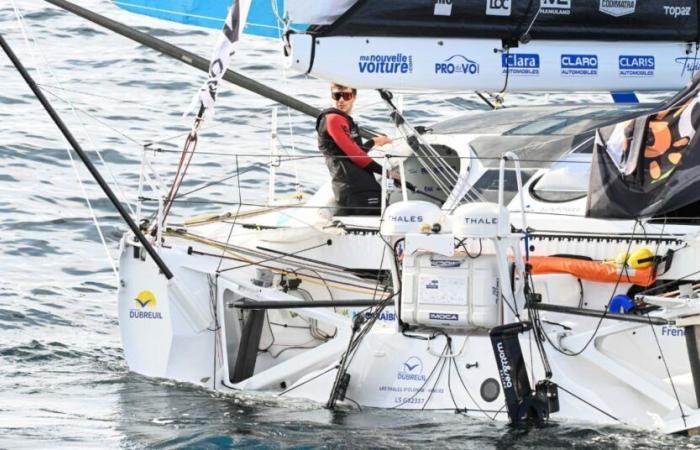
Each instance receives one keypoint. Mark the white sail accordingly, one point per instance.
(319, 13)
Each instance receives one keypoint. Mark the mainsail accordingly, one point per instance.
(264, 18)
(650, 165)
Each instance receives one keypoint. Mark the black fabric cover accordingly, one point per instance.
(664, 163)
(625, 20)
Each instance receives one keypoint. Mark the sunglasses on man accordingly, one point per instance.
(347, 96)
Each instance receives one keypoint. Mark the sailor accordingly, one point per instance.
(355, 188)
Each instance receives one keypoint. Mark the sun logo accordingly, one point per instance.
(146, 299)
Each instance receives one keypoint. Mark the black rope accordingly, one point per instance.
(602, 317)
(668, 372)
(274, 258)
(420, 389)
(588, 403)
(233, 224)
(307, 381)
(466, 389)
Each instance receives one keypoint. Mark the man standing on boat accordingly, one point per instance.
(352, 170)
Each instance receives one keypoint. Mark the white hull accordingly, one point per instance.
(631, 374)
(620, 376)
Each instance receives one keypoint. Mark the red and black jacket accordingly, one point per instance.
(346, 155)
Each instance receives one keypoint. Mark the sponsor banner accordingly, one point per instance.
(557, 7)
(670, 330)
(443, 316)
(520, 64)
(690, 64)
(579, 65)
(443, 8)
(145, 306)
(618, 8)
(457, 64)
(677, 11)
(498, 7)
(396, 63)
(636, 65)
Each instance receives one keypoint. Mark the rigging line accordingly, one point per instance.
(602, 317)
(307, 381)
(233, 225)
(464, 385)
(422, 147)
(85, 159)
(93, 215)
(103, 97)
(208, 127)
(353, 345)
(668, 372)
(35, 49)
(93, 117)
(191, 59)
(420, 389)
(311, 154)
(188, 150)
(600, 410)
(274, 258)
(532, 22)
(449, 387)
(48, 88)
(220, 181)
(282, 158)
(437, 379)
(339, 284)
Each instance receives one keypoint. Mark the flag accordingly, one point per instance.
(650, 165)
(221, 57)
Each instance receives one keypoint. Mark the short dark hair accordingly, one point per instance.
(342, 87)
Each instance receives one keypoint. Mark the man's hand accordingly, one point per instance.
(394, 175)
(381, 140)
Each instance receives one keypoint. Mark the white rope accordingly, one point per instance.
(31, 45)
(285, 85)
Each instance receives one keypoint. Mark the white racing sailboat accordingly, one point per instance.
(488, 286)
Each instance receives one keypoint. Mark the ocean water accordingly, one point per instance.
(63, 378)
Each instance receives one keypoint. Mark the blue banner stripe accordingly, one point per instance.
(262, 20)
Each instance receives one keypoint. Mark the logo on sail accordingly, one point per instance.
(618, 8)
(411, 370)
(443, 8)
(145, 302)
(676, 11)
(691, 64)
(498, 7)
(397, 63)
(579, 65)
(520, 63)
(636, 65)
(559, 7)
(458, 64)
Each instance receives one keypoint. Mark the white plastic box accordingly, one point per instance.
(449, 292)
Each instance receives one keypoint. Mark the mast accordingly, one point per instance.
(83, 156)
